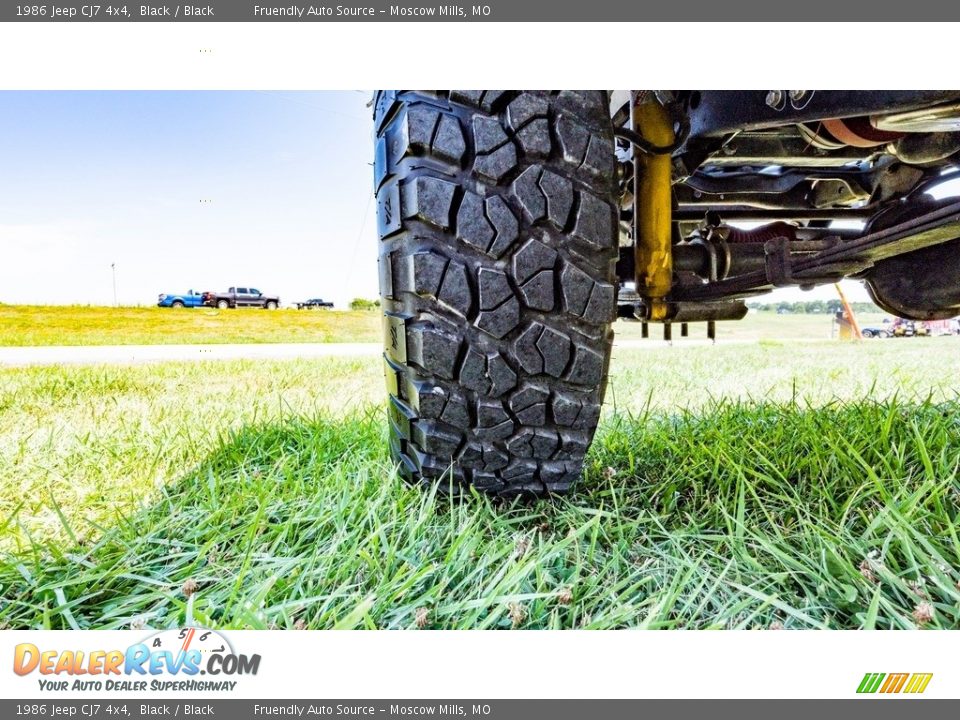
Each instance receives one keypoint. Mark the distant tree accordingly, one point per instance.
(811, 307)
(364, 304)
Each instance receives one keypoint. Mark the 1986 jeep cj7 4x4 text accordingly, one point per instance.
(512, 223)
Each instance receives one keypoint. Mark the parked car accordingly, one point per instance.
(314, 303)
(875, 331)
(236, 297)
(180, 300)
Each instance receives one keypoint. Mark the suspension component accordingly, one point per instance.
(653, 206)
(688, 312)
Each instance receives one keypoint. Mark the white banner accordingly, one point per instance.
(504, 665)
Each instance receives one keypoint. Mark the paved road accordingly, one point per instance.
(92, 354)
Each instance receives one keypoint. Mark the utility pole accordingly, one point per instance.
(113, 269)
(848, 311)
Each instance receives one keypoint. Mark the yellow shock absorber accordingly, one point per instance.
(653, 206)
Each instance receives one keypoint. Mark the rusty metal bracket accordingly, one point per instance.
(777, 262)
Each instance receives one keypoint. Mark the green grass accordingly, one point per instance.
(93, 325)
(733, 487)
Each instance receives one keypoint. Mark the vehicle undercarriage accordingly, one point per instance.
(786, 188)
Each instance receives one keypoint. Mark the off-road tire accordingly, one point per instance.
(498, 229)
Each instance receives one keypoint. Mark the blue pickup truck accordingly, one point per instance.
(180, 300)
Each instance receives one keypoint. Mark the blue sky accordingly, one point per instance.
(93, 178)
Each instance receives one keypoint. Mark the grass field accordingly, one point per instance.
(756, 326)
(89, 325)
(86, 325)
(731, 487)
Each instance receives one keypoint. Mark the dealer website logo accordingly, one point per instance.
(913, 683)
(168, 660)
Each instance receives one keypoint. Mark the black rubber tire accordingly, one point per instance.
(177, 304)
(498, 228)
(271, 305)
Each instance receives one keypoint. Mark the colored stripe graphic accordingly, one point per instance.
(918, 682)
(870, 682)
(893, 683)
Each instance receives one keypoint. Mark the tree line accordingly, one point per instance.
(812, 307)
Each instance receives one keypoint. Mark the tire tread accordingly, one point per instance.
(496, 214)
